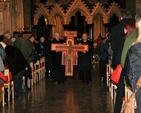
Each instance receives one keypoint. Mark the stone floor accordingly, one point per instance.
(73, 97)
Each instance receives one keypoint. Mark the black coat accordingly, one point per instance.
(47, 52)
(14, 59)
(116, 40)
(132, 70)
(56, 56)
(84, 59)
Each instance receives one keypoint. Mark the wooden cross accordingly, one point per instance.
(69, 51)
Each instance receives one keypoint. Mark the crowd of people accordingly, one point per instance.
(16, 55)
(122, 46)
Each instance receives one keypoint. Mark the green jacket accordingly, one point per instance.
(127, 44)
(24, 46)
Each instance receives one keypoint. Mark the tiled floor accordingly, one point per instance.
(73, 97)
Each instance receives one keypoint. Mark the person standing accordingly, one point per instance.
(132, 65)
(116, 39)
(85, 60)
(104, 58)
(48, 57)
(41, 43)
(58, 69)
(23, 46)
(117, 43)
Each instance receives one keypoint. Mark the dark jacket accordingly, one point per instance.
(133, 71)
(116, 39)
(104, 50)
(47, 53)
(56, 56)
(14, 59)
(84, 59)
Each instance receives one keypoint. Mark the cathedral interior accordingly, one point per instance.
(44, 18)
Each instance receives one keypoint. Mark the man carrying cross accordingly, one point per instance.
(58, 68)
(84, 61)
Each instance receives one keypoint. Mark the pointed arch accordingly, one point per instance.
(57, 22)
(114, 9)
(76, 6)
(42, 11)
(56, 11)
(99, 10)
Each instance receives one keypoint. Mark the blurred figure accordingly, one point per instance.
(41, 43)
(58, 68)
(23, 46)
(2, 56)
(104, 56)
(132, 65)
(116, 39)
(85, 61)
(48, 58)
(99, 39)
(35, 49)
(129, 28)
(7, 37)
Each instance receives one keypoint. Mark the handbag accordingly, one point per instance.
(116, 74)
(130, 104)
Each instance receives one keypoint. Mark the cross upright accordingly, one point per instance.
(69, 51)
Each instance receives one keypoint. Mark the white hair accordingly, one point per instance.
(56, 33)
(6, 34)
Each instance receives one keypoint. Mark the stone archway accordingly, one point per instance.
(58, 16)
(57, 21)
(99, 27)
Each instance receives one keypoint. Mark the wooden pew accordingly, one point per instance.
(42, 63)
(37, 71)
(2, 93)
(32, 73)
(111, 86)
(9, 85)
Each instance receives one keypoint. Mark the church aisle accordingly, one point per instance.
(73, 97)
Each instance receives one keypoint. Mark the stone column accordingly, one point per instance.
(28, 6)
(7, 17)
(90, 31)
(1, 21)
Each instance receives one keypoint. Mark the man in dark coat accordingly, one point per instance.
(117, 35)
(58, 69)
(117, 42)
(84, 61)
(48, 58)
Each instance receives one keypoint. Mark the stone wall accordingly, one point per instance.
(27, 15)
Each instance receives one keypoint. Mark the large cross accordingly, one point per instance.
(69, 51)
